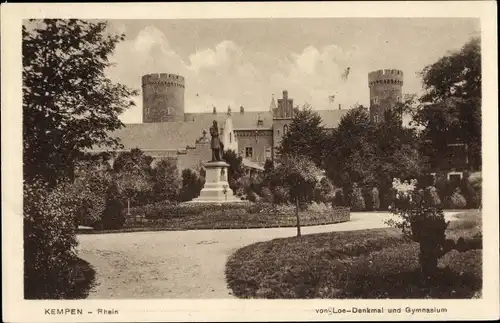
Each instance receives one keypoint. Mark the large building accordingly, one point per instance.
(167, 131)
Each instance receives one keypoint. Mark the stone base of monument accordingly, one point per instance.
(216, 189)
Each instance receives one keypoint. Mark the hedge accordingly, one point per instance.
(169, 216)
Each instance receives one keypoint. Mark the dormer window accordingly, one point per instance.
(260, 122)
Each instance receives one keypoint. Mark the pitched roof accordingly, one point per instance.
(178, 135)
(241, 121)
(331, 118)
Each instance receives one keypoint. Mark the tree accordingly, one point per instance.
(306, 136)
(451, 104)
(69, 105)
(300, 175)
(192, 185)
(351, 152)
(166, 180)
(235, 167)
(422, 220)
(396, 153)
(132, 170)
(93, 178)
(371, 155)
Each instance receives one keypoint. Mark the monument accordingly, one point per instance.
(216, 188)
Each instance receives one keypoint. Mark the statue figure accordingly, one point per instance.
(216, 144)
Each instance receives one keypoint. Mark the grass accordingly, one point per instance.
(367, 264)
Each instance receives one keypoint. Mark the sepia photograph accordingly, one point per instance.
(253, 158)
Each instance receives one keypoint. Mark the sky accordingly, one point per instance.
(244, 62)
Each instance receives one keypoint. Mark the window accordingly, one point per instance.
(375, 100)
(285, 129)
(248, 152)
(376, 119)
(268, 152)
(399, 99)
(278, 133)
(230, 137)
(455, 176)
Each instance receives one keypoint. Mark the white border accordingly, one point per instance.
(16, 309)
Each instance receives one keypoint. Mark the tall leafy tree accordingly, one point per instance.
(451, 104)
(351, 150)
(69, 104)
(306, 136)
(300, 176)
(396, 154)
(133, 175)
(166, 180)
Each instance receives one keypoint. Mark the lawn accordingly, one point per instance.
(369, 264)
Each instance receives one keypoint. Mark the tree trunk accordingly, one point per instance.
(128, 206)
(428, 260)
(297, 215)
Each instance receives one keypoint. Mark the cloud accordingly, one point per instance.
(314, 74)
(227, 74)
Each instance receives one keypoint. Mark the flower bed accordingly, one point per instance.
(168, 216)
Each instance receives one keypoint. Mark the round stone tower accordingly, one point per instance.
(386, 89)
(162, 98)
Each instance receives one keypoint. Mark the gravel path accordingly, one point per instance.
(182, 264)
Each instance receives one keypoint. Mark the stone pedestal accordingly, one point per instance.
(216, 188)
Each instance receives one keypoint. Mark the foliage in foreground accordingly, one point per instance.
(51, 268)
(379, 263)
(69, 105)
(423, 222)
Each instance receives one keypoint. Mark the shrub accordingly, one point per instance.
(431, 196)
(166, 181)
(280, 194)
(192, 184)
(323, 191)
(49, 240)
(318, 207)
(89, 188)
(339, 199)
(267, 195)
(472, 191)
(114, 213)
(456, 200)
(424, 223)
(357, 200)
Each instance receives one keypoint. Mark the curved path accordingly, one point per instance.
(183, 264)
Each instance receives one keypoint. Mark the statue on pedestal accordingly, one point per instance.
(216, 144)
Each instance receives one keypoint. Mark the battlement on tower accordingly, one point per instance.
(163, 78)
(385, 77)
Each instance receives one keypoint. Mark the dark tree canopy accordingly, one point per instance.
(350, 150)
(451, 104)
(236, 170)
(69, 105)
(306, 135)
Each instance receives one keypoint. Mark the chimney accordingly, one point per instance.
(215, 111)
(228, 110)
(340, 106)
(285, 95)
(242, 110)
